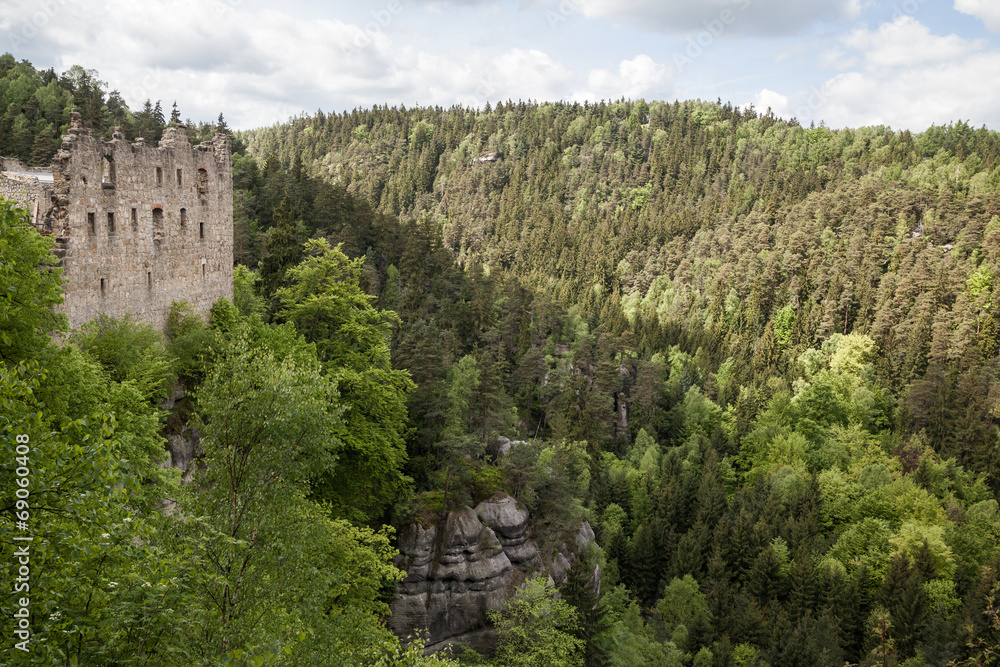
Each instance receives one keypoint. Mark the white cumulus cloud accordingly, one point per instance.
(987, 11)
(259, 64)
(776, 102)
(636, 78)
(908, 77)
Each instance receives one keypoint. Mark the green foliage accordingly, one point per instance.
(282, 247)
(552, 481)
(784, 320)
(784, 383)
(30, 286)
(268, 427)
(682, 604)
(92, 455)
(191, 343)
(37, 105)
(463, 378)
(631, 643)
(581, 590)
(412, 655)
(745, 655)
(536, 629)
(224, 317)
(274, 560)
(980, 283)
(326, 305)
(128, 351)
(245, 296)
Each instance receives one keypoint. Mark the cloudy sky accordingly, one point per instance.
(903, 63)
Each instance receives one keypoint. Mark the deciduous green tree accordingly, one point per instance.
(536, 629)
(327, 306)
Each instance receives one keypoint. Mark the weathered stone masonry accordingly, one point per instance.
(23, 185)
(136, 226)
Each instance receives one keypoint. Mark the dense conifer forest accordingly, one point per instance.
(761, 359)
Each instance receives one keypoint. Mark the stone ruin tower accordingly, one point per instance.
(136, 226)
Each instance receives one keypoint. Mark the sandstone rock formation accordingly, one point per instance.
(452, 580)
(456, 576)
(184, 448)
(509, 522)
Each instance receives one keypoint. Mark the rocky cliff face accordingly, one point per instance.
(183, 440)
(452, 579)
(184, 448)
(455, 575)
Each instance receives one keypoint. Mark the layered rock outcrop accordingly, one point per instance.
(509, 522)
(457, 574)
(452, 580)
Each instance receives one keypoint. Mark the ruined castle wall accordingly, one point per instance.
(29, 194)
(13, 164)
(140, 226)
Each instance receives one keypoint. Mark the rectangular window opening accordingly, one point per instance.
(159, 176)
(135, 217)
(201, 179)
(102, 287)
(91, 222)
(111, 222)
(201, 230)
(149, 279)
(178, 177)
(202, 270)
(184, 217)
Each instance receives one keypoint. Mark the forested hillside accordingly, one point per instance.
(760, 359)
(775, 346)
(744, 236)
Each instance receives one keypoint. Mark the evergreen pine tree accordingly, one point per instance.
(158, 115)
(903, 596)
(282, 248)
(939, 643)
(581, 590)
(42, 150)
(802, 597)
(643, 555)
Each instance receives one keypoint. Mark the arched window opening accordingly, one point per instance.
(157, 224)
